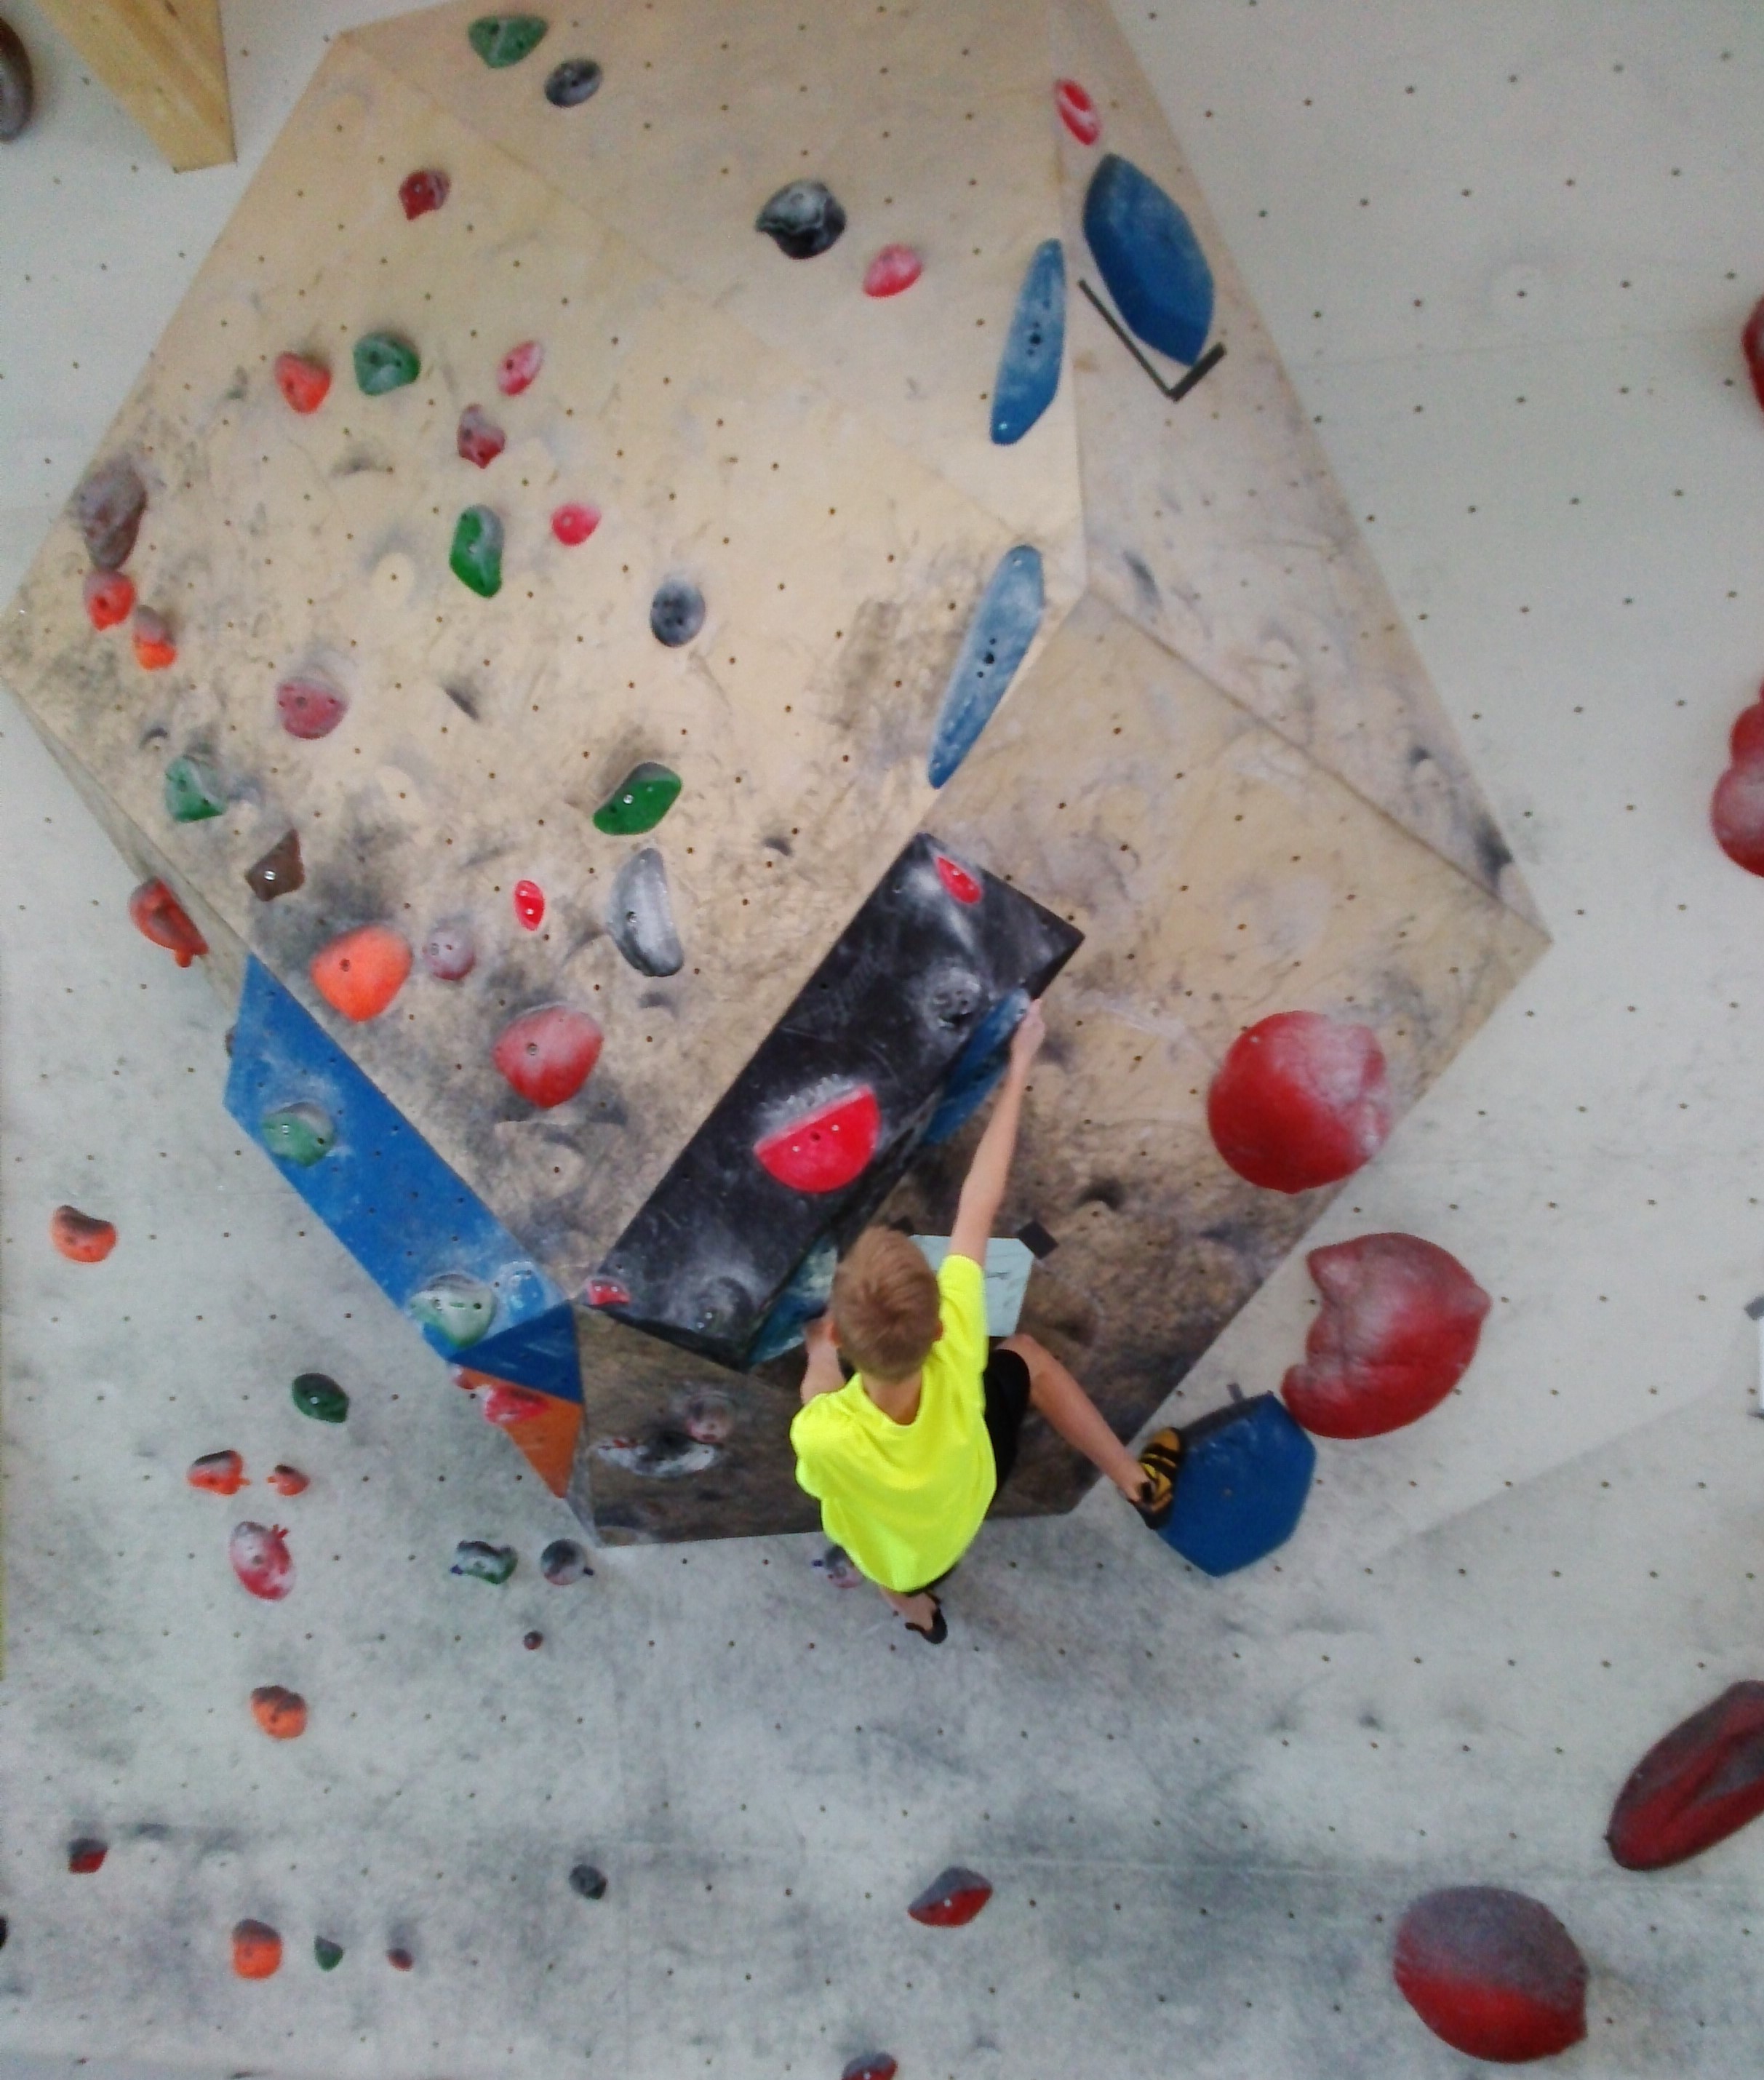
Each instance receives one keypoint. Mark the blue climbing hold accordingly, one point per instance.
(977, 1067)
(1150, 260)
(1001, 633)
(810, 1289)
(1029, 367)
(1241, 1487)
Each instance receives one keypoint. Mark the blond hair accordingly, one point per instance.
(885, 1306)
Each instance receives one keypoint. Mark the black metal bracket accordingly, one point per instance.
(1175, 392)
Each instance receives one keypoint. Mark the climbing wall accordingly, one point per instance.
(603, 501)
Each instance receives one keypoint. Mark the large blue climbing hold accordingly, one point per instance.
(1245, 1473)
(1029, 367)
(1150, 260)
(977, 1067)
(1001, 633)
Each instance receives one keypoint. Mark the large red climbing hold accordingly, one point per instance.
(81, 1238)
(262, 1560)
(1752, 339)
(1078, 111)
(1300, 1100)
(1694, 1787)
(1737, 810)
(964, 886)
(479, 440)
(1492, 1972)
(573, 524)
(518, 367)
(304, 384)
(154, 647)
(1400, 1323)
(157, 914)
(309, 708)
(546, 1055)
(360, 973)
(109, 597)
(218, 1473)
(824, 1149)
(952, 1899)
(422, 191)
(894, 268)
(530, 904)
(257, 1950)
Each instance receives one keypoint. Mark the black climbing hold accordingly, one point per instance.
(574, 81)
(804, 219)
(589, 1881)
(15, 90)
(676, 612)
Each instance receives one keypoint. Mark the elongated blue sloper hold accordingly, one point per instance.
(977, 1067)
(1001, 631)
(807, 1294)
(1029, 367)
(640, 917)
(1150, 260)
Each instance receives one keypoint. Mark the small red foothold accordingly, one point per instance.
(109, 597)
(309, 708)
(87, 1855)
(826, 1148)
(400, 1959)
(157, 914)
(529, 903)
(532, 1641)
(573, 524)
(605, 1292)
(518, 367)
(1752, 339)
(288, 1480)
(218, 1473)
(1301, 1099)
(547, 1056)
(955, 877)
(894, 268)
(479, 440)
(1078, 111)
(304, 385)
(154, 648)
(952, 1899)
(422, 191)
(81, 1238)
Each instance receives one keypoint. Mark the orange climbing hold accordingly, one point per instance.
(288, 1480)
(154, 648)
(110, 598)
(303, 384)
(81, 1238)
(282, 1714)
(360, 973)
(218, 1473)
(157, 914)
(257, 1950)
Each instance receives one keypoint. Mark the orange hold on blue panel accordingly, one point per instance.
(1245, 1474)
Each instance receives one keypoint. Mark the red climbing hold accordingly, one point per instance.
(154, 648)
(262, 1560)
(573, 524)
(1752, 339)
(1695, 1787)
(1078, 111)
(282, 1714)
(85, 1855)
(952, 1899)
(532, 1641)
(422, 191)
(506, 1406)
(956, 878)
(109, 596)
(81, 1238)
(1737, 810)
(518, 367)
(288, 1480)
(360, 973)
(218, 1473)
(1492, 1972)
(547, 1056)
(400, 1959)
(479, 440)
(304, 385)
(529, 903)
(824, 1149)
(309, 708)
(894, 268)
(870, 2065)
(157, 914)
(257, 1950)
(1400, 1323)
(605, 1292)
(1300, 1100)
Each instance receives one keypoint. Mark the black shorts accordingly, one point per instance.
(1007, 1383)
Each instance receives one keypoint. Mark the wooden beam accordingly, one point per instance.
(164, 62)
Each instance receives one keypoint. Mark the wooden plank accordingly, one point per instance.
(164, 60)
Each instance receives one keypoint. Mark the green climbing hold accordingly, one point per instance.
(504, 40)
(192, 790)
(639, 802)
(459, 1308)
(317, 1395)
(477, 552)
(481, 1562)
(329, 1954)
(384, 361)
(298, 1134)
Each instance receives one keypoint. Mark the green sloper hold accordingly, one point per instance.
(477, 550)
(317, 1395)
(192, 790)
(298, 1133)
(639, 802)
(384, 361)
(456, 1307)
(329, 1954)
(504, 40)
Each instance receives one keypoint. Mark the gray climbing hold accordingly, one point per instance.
(803, 219)
(107, 510)
(640, 917)
(15, 90)
(564, 1562)
(676, 612)
(589, 1881)
(574, 81)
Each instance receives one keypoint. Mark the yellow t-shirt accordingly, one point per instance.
(905, 1499)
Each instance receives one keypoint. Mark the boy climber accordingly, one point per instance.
(906, 1457)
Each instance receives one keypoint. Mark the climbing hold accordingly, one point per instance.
(518, 367)
(300, 1134)
(999, 636)
(282, 1714)
(802, 218)
(326, 1954)
(870, 2065)
(956, 878)
(605, 1292)
(1078, 111)
(476, 556)
(279, 872)
(479, 440)
(804, 1298)
(1752, 340)
(826, 1147)
(530, 904)
(16, 84)
(1736, 813)
(384, 361)
(664, 1453)
(504, 40)
(573, 524)
(894, 268)
(572, 82)
(676, 612)
(589, 1881)
(546, 1055)
(507, 1406)
(310, 708)
(218, 1473)
(193, 791)
(1399, 1325)
(952, 1899)
(109, 595)
(157, 914)
(81, 1238)
(450, 952)
(1244, 1480)
(423, 191)
(1029, 373)
(359, 973)
(1695, 1786)
(640, 918)
(288, 1480)
(317, 1395)
(262, 1560)
(482, 1562)
(400, 1958)
(639, 802)
(1300, 1100)
(837, 1565)
(564, 1562)
(1149, 258)
(257, 1950)
(1493, 1973)
(532, 1641)
(154, 646)
(304, 384)
(976, 1070)
(86, 1854)
(107, 510)
(458, 1308)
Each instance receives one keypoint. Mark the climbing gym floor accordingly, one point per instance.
(1507, 252)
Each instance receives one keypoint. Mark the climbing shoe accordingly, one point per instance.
(1159, 1461)
(938, 1630)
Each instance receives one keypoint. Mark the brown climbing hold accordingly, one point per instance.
(109, 597)
(154, 647)
(107, 510)
(361, 972)
(81, 1238)
(157, 914)
(279, 872)
(257, 1950)
(399, 1958)
(282, 1714)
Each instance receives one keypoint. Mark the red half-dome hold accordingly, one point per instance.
(1695, 1786)
(1301, 1099)
(1492, 1972)
(825, 1149)
(1736, 813)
